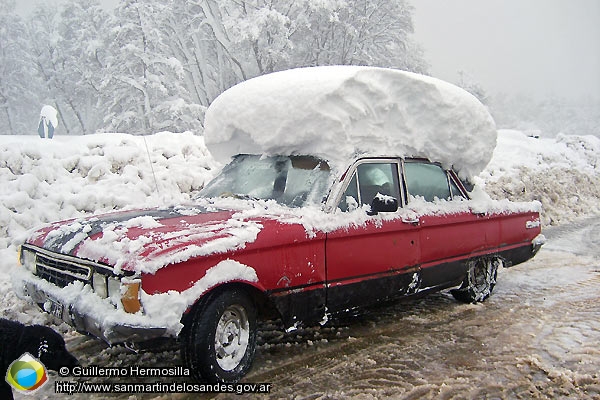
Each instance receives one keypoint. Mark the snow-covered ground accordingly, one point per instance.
(47, 180)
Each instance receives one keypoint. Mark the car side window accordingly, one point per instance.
(367, 181)
(427, 180)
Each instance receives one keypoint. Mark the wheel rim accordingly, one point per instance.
(231, 337)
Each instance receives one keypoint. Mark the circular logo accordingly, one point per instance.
(26, 374)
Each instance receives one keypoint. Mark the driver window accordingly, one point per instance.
(368, 180)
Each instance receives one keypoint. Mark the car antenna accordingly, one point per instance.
(151, 166)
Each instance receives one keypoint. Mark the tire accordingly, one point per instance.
(219, 337)
(480, 280)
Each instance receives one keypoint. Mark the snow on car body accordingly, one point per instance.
(346, 188)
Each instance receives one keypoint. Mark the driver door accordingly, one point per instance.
(379, 258)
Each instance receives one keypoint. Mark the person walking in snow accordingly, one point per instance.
(48, 122)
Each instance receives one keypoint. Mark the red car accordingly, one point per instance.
(273, 236)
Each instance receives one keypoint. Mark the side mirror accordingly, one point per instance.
(383, 203)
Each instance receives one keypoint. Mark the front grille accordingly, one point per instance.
(61, 270)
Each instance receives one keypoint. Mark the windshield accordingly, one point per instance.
(294, 181)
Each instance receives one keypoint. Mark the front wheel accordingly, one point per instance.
(219, 339)
(480, 280)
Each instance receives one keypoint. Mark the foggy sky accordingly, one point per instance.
(536, 47)
(539, 47)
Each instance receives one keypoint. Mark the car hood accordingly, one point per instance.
(146, 240)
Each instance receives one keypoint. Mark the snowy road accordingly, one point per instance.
(579, 238)
(536, 337)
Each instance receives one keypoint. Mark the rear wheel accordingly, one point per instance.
(219, 339)
(480, 280)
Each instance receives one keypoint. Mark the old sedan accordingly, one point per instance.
(298, 231)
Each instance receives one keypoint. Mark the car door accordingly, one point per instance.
(378, 257)
(447, 238)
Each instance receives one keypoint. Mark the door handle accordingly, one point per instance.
(411, 221)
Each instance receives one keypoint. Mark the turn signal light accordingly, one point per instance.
(130, 296)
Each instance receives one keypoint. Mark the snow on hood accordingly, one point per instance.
(340, 113)
(147, 240)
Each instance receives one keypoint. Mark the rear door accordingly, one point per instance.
(376, 259)
(446, 237)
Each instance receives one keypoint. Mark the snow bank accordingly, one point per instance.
(70, 177)
(338, 113)
(563, 173)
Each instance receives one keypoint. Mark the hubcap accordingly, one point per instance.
(231, 337)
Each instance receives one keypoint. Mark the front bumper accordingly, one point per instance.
(82, 309)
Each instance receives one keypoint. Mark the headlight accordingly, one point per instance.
(27, 259)
(114, 289)
(119, 290)
(100, 287)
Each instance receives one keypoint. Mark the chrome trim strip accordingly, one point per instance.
(75, 261)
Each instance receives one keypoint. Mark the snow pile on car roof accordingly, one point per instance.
(343, 112)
